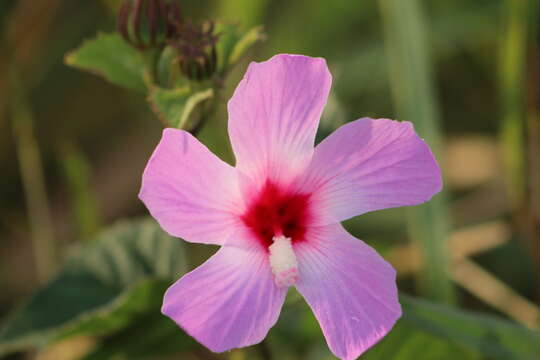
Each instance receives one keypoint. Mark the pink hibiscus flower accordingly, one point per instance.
(277, 213)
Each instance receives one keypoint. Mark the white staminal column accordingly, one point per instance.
(283, 261)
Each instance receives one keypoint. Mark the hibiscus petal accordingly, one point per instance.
(274, 114)
(349, 287)
(228, 302)
(368, 165)
(191, 192)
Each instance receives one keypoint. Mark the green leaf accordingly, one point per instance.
(407, 342)
(149, 336)
(490, 336)
(233, 44)
(425, 331)
(118, 277)
(108, 55)
(433, 331)
(175, 107)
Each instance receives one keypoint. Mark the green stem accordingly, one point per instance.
(512, 62)
(33, 181)
(520, 119)
(413, 93)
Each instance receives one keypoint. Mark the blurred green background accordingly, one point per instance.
(466, 73)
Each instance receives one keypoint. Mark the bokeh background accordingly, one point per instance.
(466, 73)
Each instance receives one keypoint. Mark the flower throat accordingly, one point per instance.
(274, 212)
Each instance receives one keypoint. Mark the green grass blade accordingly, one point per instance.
(413, 93)
(40, 221)
(512, 63)
(77, 172)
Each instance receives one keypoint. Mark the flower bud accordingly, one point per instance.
(196, 47)
(147, 23)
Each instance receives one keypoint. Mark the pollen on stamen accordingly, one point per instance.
(283, 261)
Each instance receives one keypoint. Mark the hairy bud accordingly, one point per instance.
(147, 23)
(196, 47)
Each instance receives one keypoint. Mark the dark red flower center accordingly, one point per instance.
(275, 212)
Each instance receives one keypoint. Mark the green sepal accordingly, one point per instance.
(233, 44)
(175, 107)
